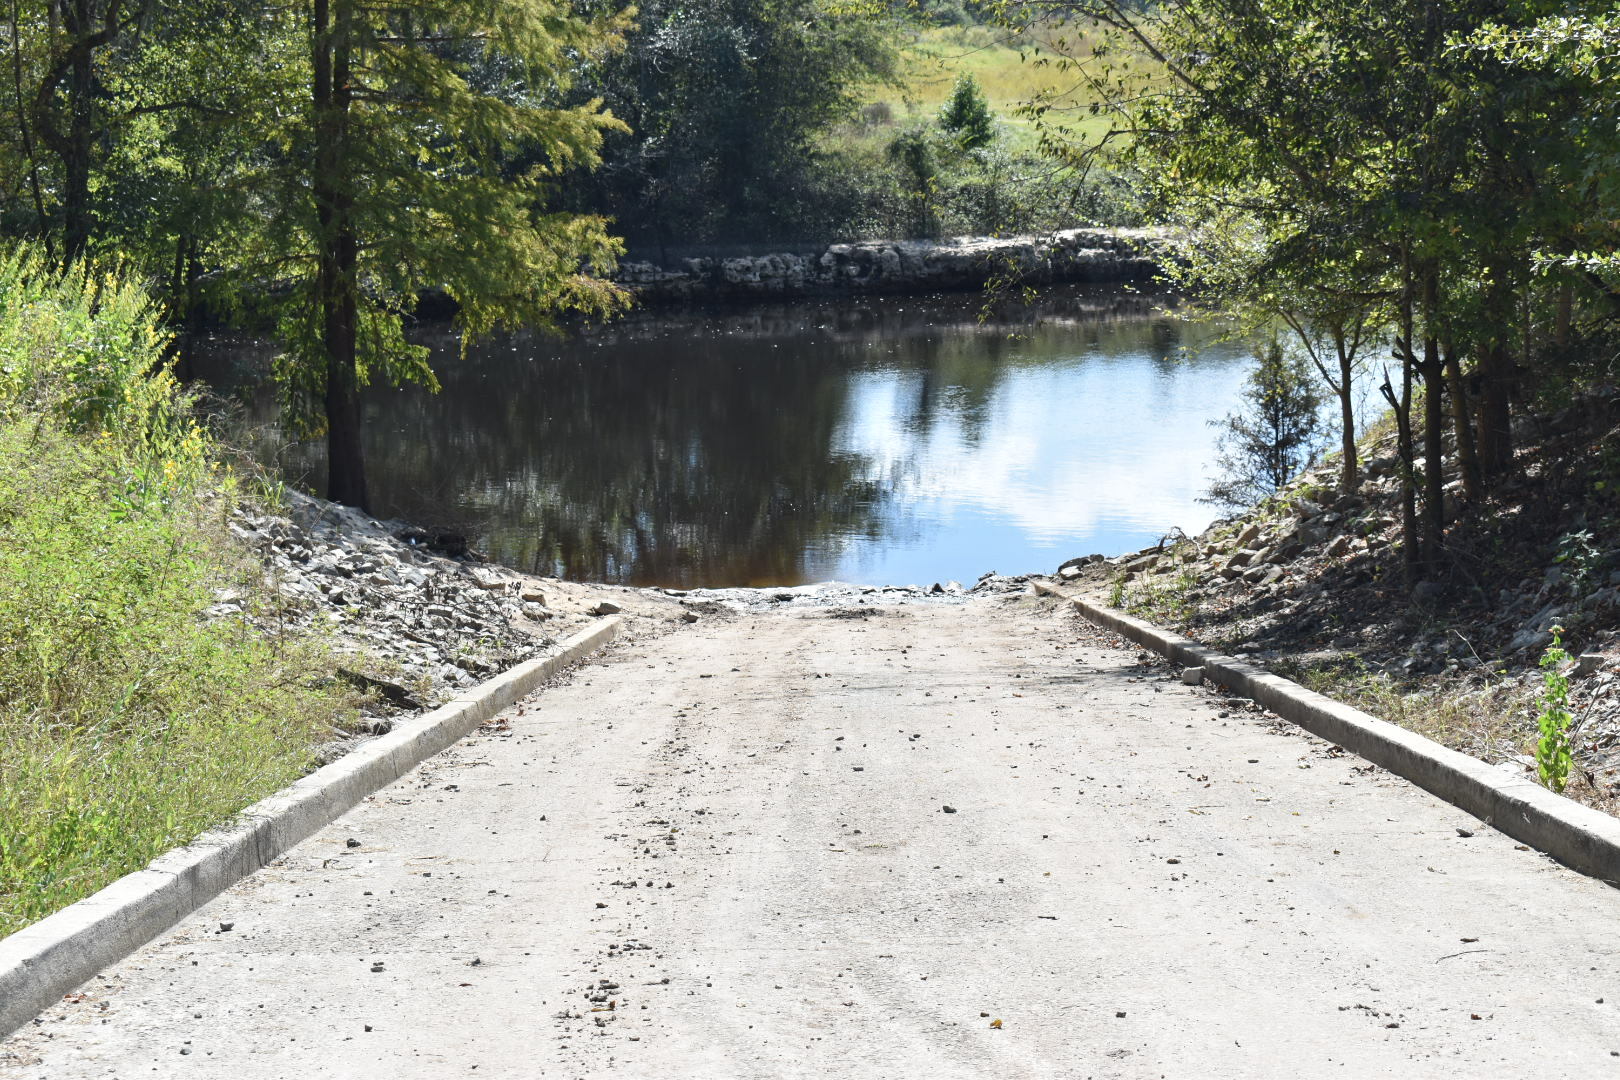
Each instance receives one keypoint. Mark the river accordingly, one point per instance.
(885, 440)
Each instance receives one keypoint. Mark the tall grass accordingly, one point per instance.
(140, 701)
(1006, 66)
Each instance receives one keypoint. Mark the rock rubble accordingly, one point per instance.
(902, 266)
(844, 598)
(409, 623)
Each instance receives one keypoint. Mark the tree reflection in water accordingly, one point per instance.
(725, 447)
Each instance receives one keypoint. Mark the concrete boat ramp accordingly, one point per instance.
(971, 839)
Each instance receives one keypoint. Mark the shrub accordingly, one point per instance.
(966, 115)
(140, 700)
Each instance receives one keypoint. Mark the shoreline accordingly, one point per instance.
(898, 267)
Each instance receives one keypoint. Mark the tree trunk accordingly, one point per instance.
(1432, 369)
(1349, 474)
(194, 306)
(1463, 425)
(1434, 432)
(22, 119)
(176, 314)
(76, 226)
(1564, 312)
(1411, 555)
(1401, 405)
(336, 272)
(345, 464)
(185, 306)
(1495, 370)
(71, 71)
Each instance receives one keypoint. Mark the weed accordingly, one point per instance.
(1116, 592)
(1476, 719)
(1580, 556)
(1552, 749)
(141, 702)
(1159, 600)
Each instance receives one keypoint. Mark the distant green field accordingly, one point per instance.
(1011, 72)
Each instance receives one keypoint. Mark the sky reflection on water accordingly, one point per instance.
(1085, 452)
(877, 441)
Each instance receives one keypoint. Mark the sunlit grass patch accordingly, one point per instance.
(1010, 71)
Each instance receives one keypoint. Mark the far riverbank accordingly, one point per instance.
(876, 267)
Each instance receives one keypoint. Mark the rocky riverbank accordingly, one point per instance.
(1310, 584)
(413, 615)
(901, 266)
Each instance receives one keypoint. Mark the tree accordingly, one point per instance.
(67, 112)
(396, 171)
(331, 160)
(1274, 437)
(1374, 136)
(912, 153)
(1576, 54)
(1259, 279)
(966, 115)
(84, 74)
(180, 183)
(727, 103)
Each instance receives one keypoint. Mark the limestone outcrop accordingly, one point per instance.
(902, 266)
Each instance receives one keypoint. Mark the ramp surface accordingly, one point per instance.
(726, 852)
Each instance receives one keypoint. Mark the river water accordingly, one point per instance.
(882, 441)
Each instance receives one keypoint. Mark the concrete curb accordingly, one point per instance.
(1577, 836)
(40, 963)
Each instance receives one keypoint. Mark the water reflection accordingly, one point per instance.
(878, 440)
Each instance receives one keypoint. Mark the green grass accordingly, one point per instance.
(1007, 73)
(905, 176)
(132, 716)
(1160, 598)
(1018, 183)
(1011, 71)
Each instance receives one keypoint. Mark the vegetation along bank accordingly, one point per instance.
(179, 636)
(147, 686)
(1409, 206)
(1519, 667)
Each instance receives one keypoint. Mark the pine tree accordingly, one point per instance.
(1274, 437)
(966, 115)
